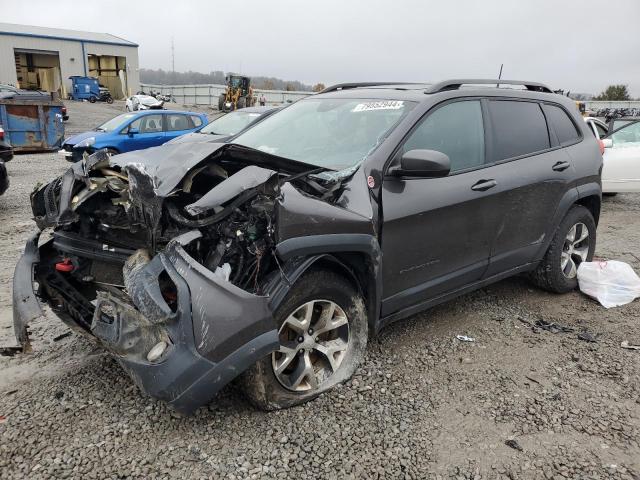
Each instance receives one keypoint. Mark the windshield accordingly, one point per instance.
(231, 123)
(115, 122)
(331, 133)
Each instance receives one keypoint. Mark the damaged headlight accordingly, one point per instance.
(87, 142)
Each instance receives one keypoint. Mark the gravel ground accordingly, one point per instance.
(423, 404)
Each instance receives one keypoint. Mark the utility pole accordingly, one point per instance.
(173, 57)
(500, 74)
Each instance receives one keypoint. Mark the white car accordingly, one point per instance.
(621, 157)
(143, 102)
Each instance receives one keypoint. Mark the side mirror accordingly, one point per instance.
(422, 164)
(133, 131)
(607, 142)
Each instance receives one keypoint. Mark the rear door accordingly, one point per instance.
(534, 173)
(621, 161)
(436, 232)
(178, 124)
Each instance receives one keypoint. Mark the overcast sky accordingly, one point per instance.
(567, 44)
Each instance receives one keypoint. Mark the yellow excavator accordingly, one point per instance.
(239, 94)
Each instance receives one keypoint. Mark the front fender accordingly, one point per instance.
(301, 253)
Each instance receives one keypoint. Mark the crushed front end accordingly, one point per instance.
(166, 262)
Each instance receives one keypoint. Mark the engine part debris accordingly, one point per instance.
(553, 327)
(9, 351)
(61, 336)
(588, 337)
(628, 346)
(464, 338)
(513, 443)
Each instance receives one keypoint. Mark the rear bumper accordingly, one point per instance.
(213, 333)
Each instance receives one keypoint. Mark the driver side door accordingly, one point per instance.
(436, 233)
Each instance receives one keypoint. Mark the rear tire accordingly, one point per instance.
(221, 100)
(569, 247)
(92, 99)
(310, 363)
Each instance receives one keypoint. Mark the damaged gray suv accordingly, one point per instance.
(276, 256)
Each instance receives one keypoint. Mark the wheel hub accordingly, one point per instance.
(313, 343)
(575, 250)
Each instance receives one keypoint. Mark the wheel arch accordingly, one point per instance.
(356, 257)
(591, 203)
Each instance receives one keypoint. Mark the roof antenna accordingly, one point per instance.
(500, 75)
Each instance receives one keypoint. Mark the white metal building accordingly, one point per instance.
(45, 58)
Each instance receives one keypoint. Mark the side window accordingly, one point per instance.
(602, 131)
(197, 121)
(562, 124)
(519, 128)
(178, 122)
(456, 130)
(147, 124)
(627, 136)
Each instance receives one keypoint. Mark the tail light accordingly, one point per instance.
(601, 145)
(1, 133)
(64, 109)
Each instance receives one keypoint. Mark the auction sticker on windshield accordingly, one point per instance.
(385, 105)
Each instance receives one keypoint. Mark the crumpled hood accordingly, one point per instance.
(83, 136)
(196, 137)
(167, 165)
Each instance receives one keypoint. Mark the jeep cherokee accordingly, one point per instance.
(277, 255)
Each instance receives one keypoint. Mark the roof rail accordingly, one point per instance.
(346, 86)
(457, 83)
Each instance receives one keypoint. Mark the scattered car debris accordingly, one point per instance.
(513, 443)
(553, 327)
(9, 351)
(628, 346)
(588, 337)
(61, 336)
(464, 338)
(611, 282)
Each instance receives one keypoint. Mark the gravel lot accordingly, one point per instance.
(423, 405)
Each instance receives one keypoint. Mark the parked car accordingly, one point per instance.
(132, 131)
(142, 102)
(280, 253)
(6, 154)
(6, 150)
(227, 125)
(621, 153)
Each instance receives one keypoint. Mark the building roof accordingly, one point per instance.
(63, 34)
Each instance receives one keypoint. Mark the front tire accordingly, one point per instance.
(323, 335)
(573, 243)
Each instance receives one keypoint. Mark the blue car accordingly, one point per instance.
(133, 131)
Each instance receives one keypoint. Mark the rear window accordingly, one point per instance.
(197, 121)
(562, 124)
(519, 128)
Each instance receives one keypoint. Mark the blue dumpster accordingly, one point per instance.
(32, 122)
(85, 88)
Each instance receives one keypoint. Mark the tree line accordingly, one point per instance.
(165, 77)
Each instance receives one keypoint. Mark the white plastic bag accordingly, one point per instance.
(612, 283)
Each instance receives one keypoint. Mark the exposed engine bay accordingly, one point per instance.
(119, 209)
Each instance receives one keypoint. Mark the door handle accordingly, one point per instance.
(483, 185)
(560, 166)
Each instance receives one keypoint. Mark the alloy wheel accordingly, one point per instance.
(313, 344)
(575, 249)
